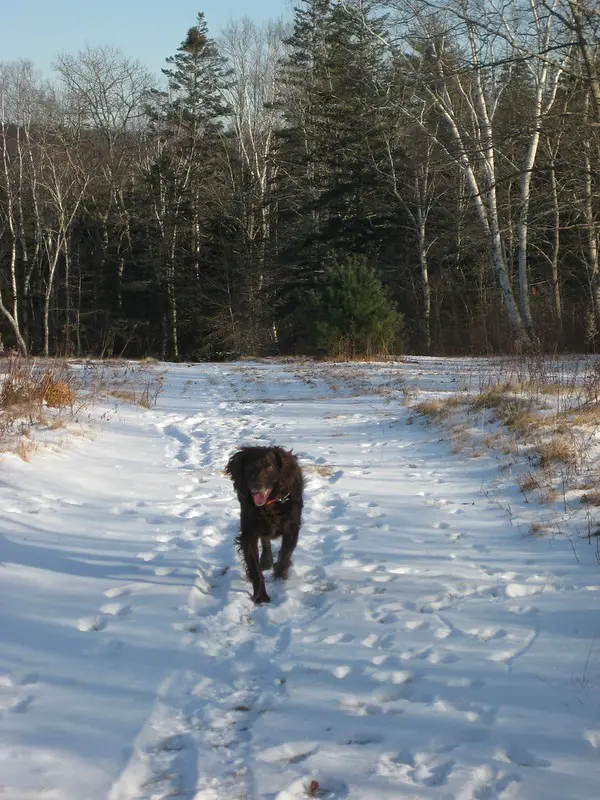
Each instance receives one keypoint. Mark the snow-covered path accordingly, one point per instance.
(422, 648)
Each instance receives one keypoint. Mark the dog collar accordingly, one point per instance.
(276, 500)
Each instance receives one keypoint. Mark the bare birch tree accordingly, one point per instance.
(580, 20)
(252, 53)
(22, 101)
(530, 47)
(471, 47)
(104, 97)
(63, 181)
(417, 191)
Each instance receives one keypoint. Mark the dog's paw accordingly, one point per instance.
(281, 573)
(260, 597)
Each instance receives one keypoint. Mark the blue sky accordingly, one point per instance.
(149, 30)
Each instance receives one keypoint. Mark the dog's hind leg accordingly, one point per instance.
(266, 556)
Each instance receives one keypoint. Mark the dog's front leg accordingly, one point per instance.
(266, 556)
(289, 541)
(249, 549)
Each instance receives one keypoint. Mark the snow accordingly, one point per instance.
(425, 646)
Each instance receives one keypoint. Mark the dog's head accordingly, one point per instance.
(256, 470)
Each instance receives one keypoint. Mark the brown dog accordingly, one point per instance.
(269, 486)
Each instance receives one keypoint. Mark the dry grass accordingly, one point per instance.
(124, 394)
(548, 412)
(25, 449)
(591, 498)
(587, 415)
(559, 449)
(349, 377)
(360, 359)
(492, 440)
(521, 419)
(507, 446)
(494, 397)
(27, 387)
(56, 424)
(548, 495)
(461, 440)
(551, 388)
(538, 529)
(48, 393)
(324, 470)
(437, 410)
(591, 384)
(531, 482)
(519, 414)
(432, 409)
(134, 384)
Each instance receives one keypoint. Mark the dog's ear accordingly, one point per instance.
(288, 467)
(235, 469)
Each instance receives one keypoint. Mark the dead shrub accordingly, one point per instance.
(19, 387)
(36, 393)
(548, 495)
(27, 385)
(58, 394)
(27, 388)
(591, 384)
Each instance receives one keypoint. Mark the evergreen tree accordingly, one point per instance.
(353, 107)
(301, 178)
(183, 177)
(352, 311)
(332, 194)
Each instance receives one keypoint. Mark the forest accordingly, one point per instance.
(366, 178)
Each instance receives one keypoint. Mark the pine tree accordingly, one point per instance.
(183, 173)
(354, 116)
(301, 179)
(334, 106)
(352, 311)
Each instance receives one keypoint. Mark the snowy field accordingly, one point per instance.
(425, 645)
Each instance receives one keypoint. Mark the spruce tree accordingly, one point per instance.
(334, 102)
(333, 193)
(187, 121)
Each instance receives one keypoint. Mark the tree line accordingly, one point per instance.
(368, 177)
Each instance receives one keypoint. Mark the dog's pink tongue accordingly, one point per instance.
(260, 498)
